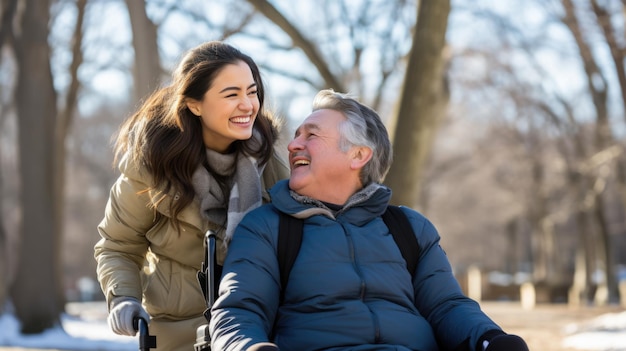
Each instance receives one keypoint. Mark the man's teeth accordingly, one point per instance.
(301, 163)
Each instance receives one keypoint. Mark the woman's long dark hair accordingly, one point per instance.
(166, 137)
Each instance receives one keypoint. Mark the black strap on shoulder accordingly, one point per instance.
(289, 242)
(403, 235)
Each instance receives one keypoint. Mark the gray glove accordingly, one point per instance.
(123, 311)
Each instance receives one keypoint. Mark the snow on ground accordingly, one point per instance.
(84, 328)
(604, 333)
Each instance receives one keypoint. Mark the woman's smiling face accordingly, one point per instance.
(228, 108)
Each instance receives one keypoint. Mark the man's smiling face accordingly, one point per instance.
(319, 168)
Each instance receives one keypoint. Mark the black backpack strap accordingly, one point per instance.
(289, 242)
(403, 235)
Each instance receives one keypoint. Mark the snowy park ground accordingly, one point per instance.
(84, 328)
(605, 332)
(546, 328)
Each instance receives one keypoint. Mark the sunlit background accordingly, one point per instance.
(522, 178)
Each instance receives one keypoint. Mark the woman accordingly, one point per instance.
(197, 155)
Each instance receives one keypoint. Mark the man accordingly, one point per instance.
(349, 288)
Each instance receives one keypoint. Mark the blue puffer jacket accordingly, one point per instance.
(349, 288)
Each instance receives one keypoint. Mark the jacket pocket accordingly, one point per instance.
(172, 290)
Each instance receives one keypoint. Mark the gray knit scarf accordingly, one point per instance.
(245, 192)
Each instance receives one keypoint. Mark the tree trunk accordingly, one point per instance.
(7, 8)
(580, 291)
(66, 117)
(3, 263)
(147, 71)
(422, 103)
(618, 54)
(598, 89)
(37, 292)
(537, 213)
(608, 291)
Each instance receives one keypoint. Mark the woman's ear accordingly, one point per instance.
(360, 157)
(193, 106)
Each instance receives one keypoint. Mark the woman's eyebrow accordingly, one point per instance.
(237, 88)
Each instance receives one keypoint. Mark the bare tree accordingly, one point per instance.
(4, 271)
(147, 69)
(618, 54)
(598, 89)
(422, 102)
(7, 9)
(43, 128)
(351, 48)
(424, 90)
(299, 40)
(567, 196)
(39, 262)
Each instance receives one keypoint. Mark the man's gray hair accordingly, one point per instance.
(363, 127)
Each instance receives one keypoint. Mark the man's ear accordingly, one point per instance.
(360, 156)
(194, 106)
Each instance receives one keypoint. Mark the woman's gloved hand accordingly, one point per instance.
(123, 311)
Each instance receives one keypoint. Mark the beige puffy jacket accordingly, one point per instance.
(142, 255)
